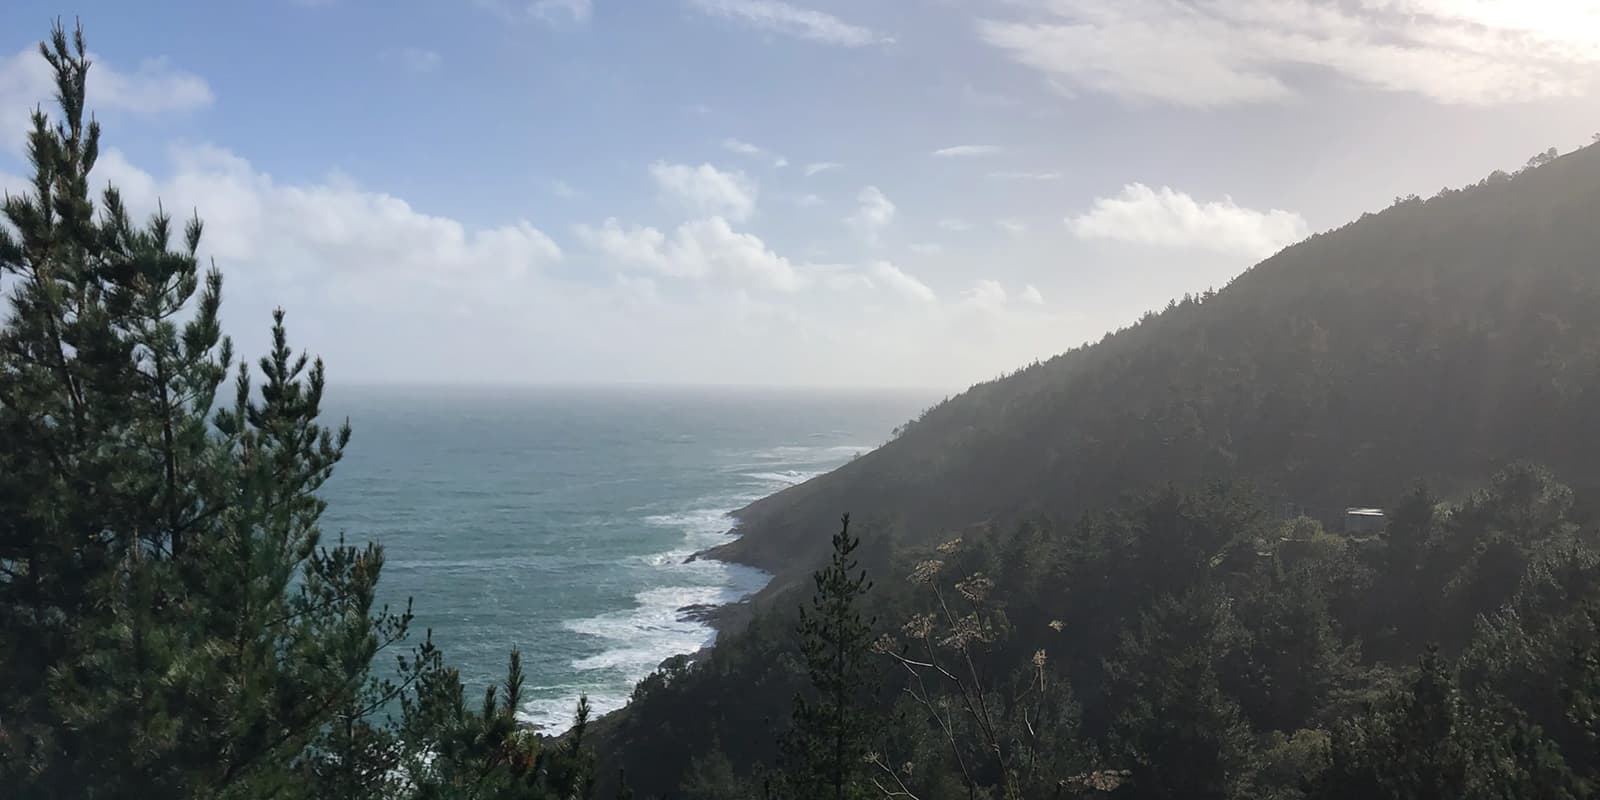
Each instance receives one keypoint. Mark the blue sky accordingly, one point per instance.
(861, 192)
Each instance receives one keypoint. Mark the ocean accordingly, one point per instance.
(559, 520)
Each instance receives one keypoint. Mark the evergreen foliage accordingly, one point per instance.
(1200, 648)
(173, 622)
(824, 750)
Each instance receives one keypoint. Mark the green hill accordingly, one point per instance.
(1200, 643)
(1436, 339)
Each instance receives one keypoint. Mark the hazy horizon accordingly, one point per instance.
(335, 383)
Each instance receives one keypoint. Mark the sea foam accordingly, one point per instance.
(633, 642)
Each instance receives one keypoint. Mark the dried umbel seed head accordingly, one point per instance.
(976, 588)
(1101, 780)
(919, 627)
(926, 571)
(967, 630)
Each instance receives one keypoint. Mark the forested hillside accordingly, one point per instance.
(1183, 644)
(1106, 574)
(1435, 339)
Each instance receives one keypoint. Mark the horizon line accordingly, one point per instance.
(377, 383)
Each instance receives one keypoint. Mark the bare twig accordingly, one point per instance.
(900, 791)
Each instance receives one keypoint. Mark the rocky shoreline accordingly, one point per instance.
(720, 617)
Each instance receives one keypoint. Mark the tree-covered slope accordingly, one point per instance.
(1438, 338)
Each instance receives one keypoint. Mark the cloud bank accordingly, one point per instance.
(1169, 218)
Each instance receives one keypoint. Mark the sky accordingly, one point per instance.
(916, 193)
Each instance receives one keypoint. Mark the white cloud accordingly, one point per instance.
(1025, 176)
(706, 189)
(387, 290)
(1171, 218)
(790, 20)
(563, 190)
(420, 60)
(1032, 296)
(955, 225)
(636, 246)
(927, 248)
(820, 167)
(986, 295)
(710, 250)
(808, 201)
(900, 282)
(847, 281)
(1015, 227)
(716, 243)
(638, 290)
(330, 233)
(744, 148)
(969, 151)
(155, 87)
(1208, 53)
(875, 213)
(699, 249)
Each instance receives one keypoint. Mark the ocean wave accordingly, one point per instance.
(644, 635)
(553, 714)
(788, 477)
(635, 641)
(657, 626)
(667, 559)
(811, 454)
(697, 524)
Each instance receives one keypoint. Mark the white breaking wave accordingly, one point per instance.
(635, 641)
(553, 715)
(821, 454)
(786, 477)
(643, 636)
(701, 526)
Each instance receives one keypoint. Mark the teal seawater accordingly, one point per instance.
(558, 520)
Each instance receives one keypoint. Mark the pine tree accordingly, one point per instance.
(1184, 736)
(172, 623)
(824, 751)
(1295, 655)
(712, 777)
(1428, 743)
(455, 753)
